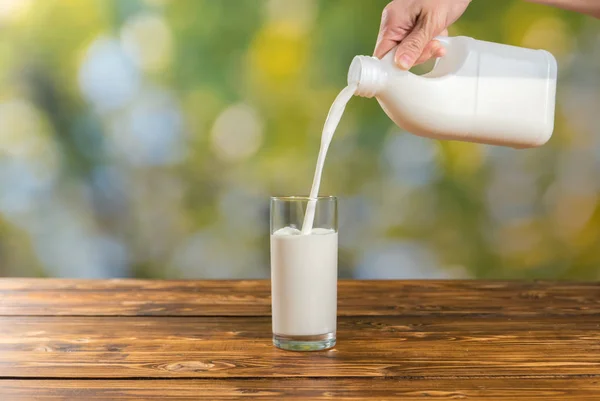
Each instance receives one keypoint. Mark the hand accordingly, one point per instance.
(414, 24)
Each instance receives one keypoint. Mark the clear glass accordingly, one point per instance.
(304, 274)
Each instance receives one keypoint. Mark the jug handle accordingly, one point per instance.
(444, 40)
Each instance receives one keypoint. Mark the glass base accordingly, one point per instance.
(304, 343)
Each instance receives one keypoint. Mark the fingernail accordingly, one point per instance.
(404, 61)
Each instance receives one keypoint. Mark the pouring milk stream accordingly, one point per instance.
(333, 119)
(482, 92)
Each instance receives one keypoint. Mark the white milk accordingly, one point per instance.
(479, 92)
(333, 119)
(304, 281)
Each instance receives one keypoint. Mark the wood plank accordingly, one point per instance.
(240, 347)
(48, 297)
(572, 389)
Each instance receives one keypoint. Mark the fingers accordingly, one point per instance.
(433, 49)
(389, 34)
(413, 31)
(441, 50)
(383, 46)
(413, 45)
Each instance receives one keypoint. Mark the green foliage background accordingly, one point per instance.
(144, 138)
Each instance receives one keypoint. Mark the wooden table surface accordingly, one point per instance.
(397, 340)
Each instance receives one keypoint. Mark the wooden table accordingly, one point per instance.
(397, 340)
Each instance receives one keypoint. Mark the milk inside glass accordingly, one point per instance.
(304, 274)
(304, 281)
(304, 262)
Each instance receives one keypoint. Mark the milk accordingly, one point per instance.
(304, 281)
(331, 122)
(304, 263)
(479, 92)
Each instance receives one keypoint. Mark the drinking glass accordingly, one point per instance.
(304, 273)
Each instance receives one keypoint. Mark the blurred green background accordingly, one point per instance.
(143, 138)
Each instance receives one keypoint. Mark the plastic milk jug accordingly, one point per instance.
(478, 92)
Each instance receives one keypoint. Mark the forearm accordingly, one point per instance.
(589, 7)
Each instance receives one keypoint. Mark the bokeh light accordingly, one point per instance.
(11, 10)
(300, 14)
(150, 132)
(411, 160)
(552, 34)
(399, 260)
(237, 133)
(29, 158)
(108, 77)
(143, 139)
(147, 40)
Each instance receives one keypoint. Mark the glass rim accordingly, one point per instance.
(303, 198)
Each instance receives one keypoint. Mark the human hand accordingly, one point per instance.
(413, 24)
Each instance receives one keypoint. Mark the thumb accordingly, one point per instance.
(412, 46)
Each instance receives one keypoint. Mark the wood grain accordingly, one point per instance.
(219, 347)
(573, 389)
(408, 340)
(56, 297)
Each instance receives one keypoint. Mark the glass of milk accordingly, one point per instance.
(304, 273)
